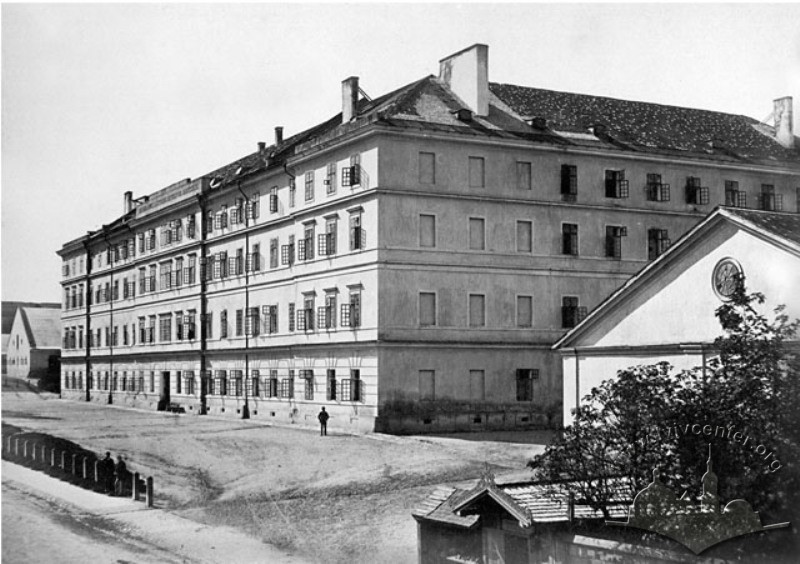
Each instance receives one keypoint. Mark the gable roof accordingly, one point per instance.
(42, 326)
(529, 502)
(9, 311)
(428, 104)
(648, 127)
(778, 228)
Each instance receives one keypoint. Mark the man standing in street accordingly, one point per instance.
(323, 422)
(107, 472)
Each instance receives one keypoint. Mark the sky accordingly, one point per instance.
(98, 99)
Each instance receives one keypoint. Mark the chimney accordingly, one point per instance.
(128, 201)
(261, 146)
(278, 135)
(782, 112)
(349, 98)
(466, 73)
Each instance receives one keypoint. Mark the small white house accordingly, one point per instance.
(666, 311)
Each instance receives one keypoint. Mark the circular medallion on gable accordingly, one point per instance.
(727, 274)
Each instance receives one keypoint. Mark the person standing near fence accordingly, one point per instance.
(323, 422)
(107, 473)
(121, 473)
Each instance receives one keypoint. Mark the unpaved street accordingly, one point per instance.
(335, 499)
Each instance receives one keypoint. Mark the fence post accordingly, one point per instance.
(74, 466)
(135, 490)
(25, 449)
(16, 446)
(9, 444)
(97, 471)
(85, 468)
(63, 461)
(149, 492)
(33, 452)
(53, 457)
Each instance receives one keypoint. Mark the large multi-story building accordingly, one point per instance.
(407, 263)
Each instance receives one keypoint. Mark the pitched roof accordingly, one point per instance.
(43, 326)
(644, 126)
(781, 228)
(529, 502)
(9, 310)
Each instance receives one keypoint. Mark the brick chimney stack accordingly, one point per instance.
(128, 201)
(466, 73)
(278, 135)
(349, 98)
(784, 130)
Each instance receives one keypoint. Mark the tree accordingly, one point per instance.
(643, 419)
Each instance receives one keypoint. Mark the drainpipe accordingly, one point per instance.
(201, 272)
(88, 302)
(110, 318)
(248, 205)
(577, 381)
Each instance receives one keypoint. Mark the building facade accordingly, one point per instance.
(666, 313)
(409, 262)
(34, 346)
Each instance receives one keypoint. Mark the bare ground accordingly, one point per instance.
(340, 499)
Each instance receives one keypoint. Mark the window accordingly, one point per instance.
(142, 330)
(272, 388)
(330, 388)
(477, 236)
(287, 386)
(235, 387)
(525, 379)
(151, 330)
(291, 317)
(251, 208)
(252, 324)
(476, 172)
(326, 315)
(769, 200)
(142, 280)
(270, 315)
(273, 199)
(571, 312)
(616, 185)
(166, 275)
(327, 240)
(220, 383)
(330, 179)
(427, 168)
(524, 311)
(614, 237)
(177, 273)
(351, 312)
(657, 242)
(427, 230)
(523, 175)
(569, 239)
(165, 328)
(188, 272)
(657, 191)
(305, 247)
(309, 185)
(252, 384)
(569, 183)
(477, 385)
(734, 197)
(223, 324)
(696, 194)
(477, 311)
(358, 237)
(188, 382)
(273, 253)
(305, 317)
(287, 252)
(239, 322)
(189, 326)
(208, 324)
(292, 191)
(308, 379)
(351, 388)
(190, 227)
(427, 308)
(427, 385)
(524, 236)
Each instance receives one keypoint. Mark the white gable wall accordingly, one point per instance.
(667, 318)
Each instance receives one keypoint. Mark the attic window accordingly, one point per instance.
(538, 123)
(215, 182)
(463, 114)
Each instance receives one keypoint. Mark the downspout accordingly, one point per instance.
(88, 302)
(110, 317)
(248, 206)
(577, 381)
(201, 272)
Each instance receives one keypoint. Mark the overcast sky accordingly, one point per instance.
(100, 99)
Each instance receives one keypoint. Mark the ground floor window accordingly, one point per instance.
(525, 379)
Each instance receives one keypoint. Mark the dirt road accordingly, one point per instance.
(339, 498)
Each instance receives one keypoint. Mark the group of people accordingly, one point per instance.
(114, 476)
